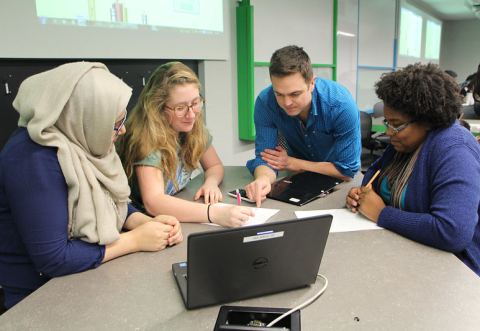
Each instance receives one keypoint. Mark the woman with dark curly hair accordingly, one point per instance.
(427, 188)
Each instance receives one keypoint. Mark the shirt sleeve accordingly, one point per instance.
(209, 140)
(130, 211)
(347, 137)
(152, 160)
(265, 134)
(451, 198)
(37, 195)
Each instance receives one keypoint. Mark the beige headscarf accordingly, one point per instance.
(74, 107)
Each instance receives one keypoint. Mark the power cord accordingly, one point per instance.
(303, 305)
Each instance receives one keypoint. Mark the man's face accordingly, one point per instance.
(293, 94)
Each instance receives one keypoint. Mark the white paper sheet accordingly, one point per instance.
(343, 220)
(261, 215)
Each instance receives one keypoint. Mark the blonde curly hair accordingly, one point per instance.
(148, 126)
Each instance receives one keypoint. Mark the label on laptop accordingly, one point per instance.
(294, 199)
(263, 236)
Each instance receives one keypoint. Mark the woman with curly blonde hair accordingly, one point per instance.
(165, 142)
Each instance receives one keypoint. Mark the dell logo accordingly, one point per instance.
(260, 263)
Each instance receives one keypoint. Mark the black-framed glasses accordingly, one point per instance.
(181, 111)
(121, 124)
(396, 129)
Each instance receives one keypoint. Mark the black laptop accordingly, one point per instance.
(234, 264)
(302, 187)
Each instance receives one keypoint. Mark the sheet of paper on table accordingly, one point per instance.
(343, 219)
(261, 215)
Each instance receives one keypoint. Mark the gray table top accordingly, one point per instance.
(377, 281)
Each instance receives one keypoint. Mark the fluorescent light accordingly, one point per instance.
(346, 34)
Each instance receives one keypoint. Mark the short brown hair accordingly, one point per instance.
(289, 60)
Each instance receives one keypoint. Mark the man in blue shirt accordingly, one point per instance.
(318, 118)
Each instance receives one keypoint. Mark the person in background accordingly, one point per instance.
(318, 118)
(466, 86)
(475, 88)
(427, 187)
(451, 73)
(63, 191)
(166, 140)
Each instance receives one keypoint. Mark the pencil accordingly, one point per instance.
(373, 178)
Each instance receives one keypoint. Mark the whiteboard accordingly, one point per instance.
(376, 33)
(366, 96)
(306, 23)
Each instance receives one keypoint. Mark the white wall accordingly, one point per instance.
(460, 50)
(219, 80)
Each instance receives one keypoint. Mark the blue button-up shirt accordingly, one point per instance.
(332, 132)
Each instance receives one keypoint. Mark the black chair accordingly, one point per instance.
(381, 137)
(368, 142)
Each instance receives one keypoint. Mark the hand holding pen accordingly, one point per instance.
(354, 194)
(366, 200)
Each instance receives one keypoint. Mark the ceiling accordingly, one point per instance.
(449, 9)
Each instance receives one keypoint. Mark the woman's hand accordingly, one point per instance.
(352, 198)
(151, 236)
(175, 236)
(211, 193)
(370, 203)
(230, 216)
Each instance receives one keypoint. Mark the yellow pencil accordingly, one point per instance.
(373, 178)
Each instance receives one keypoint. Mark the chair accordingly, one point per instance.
(378, 109)
(381, 137)
(367, 142)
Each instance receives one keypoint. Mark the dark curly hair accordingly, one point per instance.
(423, 93)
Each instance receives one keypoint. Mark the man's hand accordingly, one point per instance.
(258, 190)
(277, 158)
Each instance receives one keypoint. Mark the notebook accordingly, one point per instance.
(302, 187)
(238, 263)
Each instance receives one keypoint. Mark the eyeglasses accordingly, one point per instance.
(396, 129)
(121, 124)
(181, 111)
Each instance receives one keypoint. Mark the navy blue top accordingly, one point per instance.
(332, 132)
(33, 220)
(442, 199)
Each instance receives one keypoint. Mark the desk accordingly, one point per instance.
(377, 125)
(387, 281)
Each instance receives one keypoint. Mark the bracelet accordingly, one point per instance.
(208, 213)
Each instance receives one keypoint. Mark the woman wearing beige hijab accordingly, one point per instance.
(63, 191)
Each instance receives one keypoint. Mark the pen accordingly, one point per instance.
(239, 201)
(373, 178)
